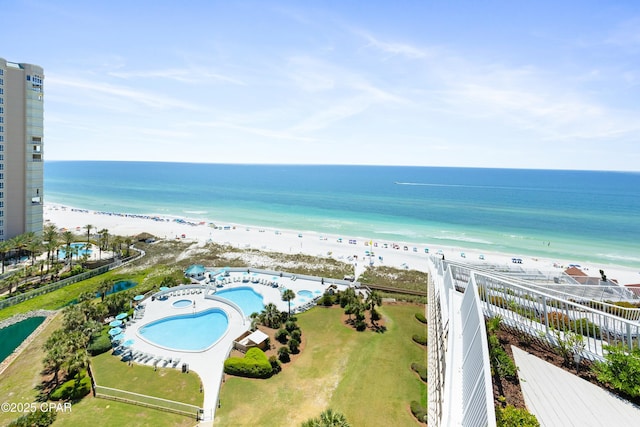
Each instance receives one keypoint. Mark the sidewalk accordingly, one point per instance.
(559, 398)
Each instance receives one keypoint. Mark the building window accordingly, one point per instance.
(2, 139)
(1, 166)
(1, 110)
(1, 129)
(1, 91)
(1, 119)
(1, 100)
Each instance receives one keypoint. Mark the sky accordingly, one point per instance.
(510, 84)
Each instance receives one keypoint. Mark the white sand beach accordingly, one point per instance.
(390, 253)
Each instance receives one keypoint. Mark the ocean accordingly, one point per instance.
(590, 216)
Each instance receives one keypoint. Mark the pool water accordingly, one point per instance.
(187, 332)
(12, 336)
(182, 303)
(246, 298)
(81, 251)
(305, 293)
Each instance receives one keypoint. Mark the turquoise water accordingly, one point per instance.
(306, 294)
(188, 332)
(583, 215)
(182, 303)
(246, 298)
(62, 253)
(12, 336)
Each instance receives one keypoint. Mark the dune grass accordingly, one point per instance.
(365, 375)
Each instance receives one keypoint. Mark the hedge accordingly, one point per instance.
(72, 389)
(515, 417)
(420, 370)
(99, 344)
(254, 364)
(419, 411)
(37, 418)
(421, 318)
(420, 339)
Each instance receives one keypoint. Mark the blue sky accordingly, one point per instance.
(462, 83)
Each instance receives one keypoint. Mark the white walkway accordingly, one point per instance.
(559, 398)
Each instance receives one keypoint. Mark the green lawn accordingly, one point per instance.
(365, 375)
(167, 383)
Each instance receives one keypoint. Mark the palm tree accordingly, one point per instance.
(104, 241)
(34, 246)
(373, 299)
(117, 243)
(287, 296)
(5, 248)
(129, 241)
(270, 316)
(88, 227)
(68, 239)
(331, 418)
(50, 236)
(104, 287)
(56, 349)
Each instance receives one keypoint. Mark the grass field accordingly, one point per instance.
(365, 375)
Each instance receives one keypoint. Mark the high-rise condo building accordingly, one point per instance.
(21, 148)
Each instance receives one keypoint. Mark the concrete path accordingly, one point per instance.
(559, 398)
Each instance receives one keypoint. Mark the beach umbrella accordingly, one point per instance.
(220, 278)
(164, 288)
(128, 343)
(122, 316)
(116, 322)
(115, 331)
(275, 278)
(138, 297)
(118, 337)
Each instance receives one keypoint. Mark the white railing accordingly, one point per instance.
(460, 390)
(148, 401)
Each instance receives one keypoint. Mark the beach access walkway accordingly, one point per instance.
(558, 398)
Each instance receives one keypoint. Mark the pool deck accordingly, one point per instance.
(208, 364)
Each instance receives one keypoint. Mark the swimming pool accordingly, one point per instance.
(246, 298)
(182, 303)
(187, 332)
(79, 246)
(306, 294)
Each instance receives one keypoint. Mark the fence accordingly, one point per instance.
(65, 282)
(460, 389)
(148, 401)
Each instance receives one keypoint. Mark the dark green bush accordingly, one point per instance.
(296, 334)
(99, 344)
(421, 318)
(419, 411)
(326, 300)
(515, 417)
(420, 339)
(281, 336)
(37, 418)
(294, 346)
(275, 364)
(254, 364)
(291, 325)
(420, 370)
(283, 354)
(72, 389)
(360, 325)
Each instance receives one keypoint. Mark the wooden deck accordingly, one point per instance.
(559, 398)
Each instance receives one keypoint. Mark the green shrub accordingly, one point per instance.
(421, 318)
(73, 389)
(326, 300)
(254, 364)
(275, 364)
(283, 354)
(294, 346)
(584, 326)
(420, 370)
(621, 369)
(420, 339)
(419, 411)
(501, 363)
(360, 325)
(37, 418)
(515, 417)
(281, 336)
(99, 344)
(296, 334)
(290, 325)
